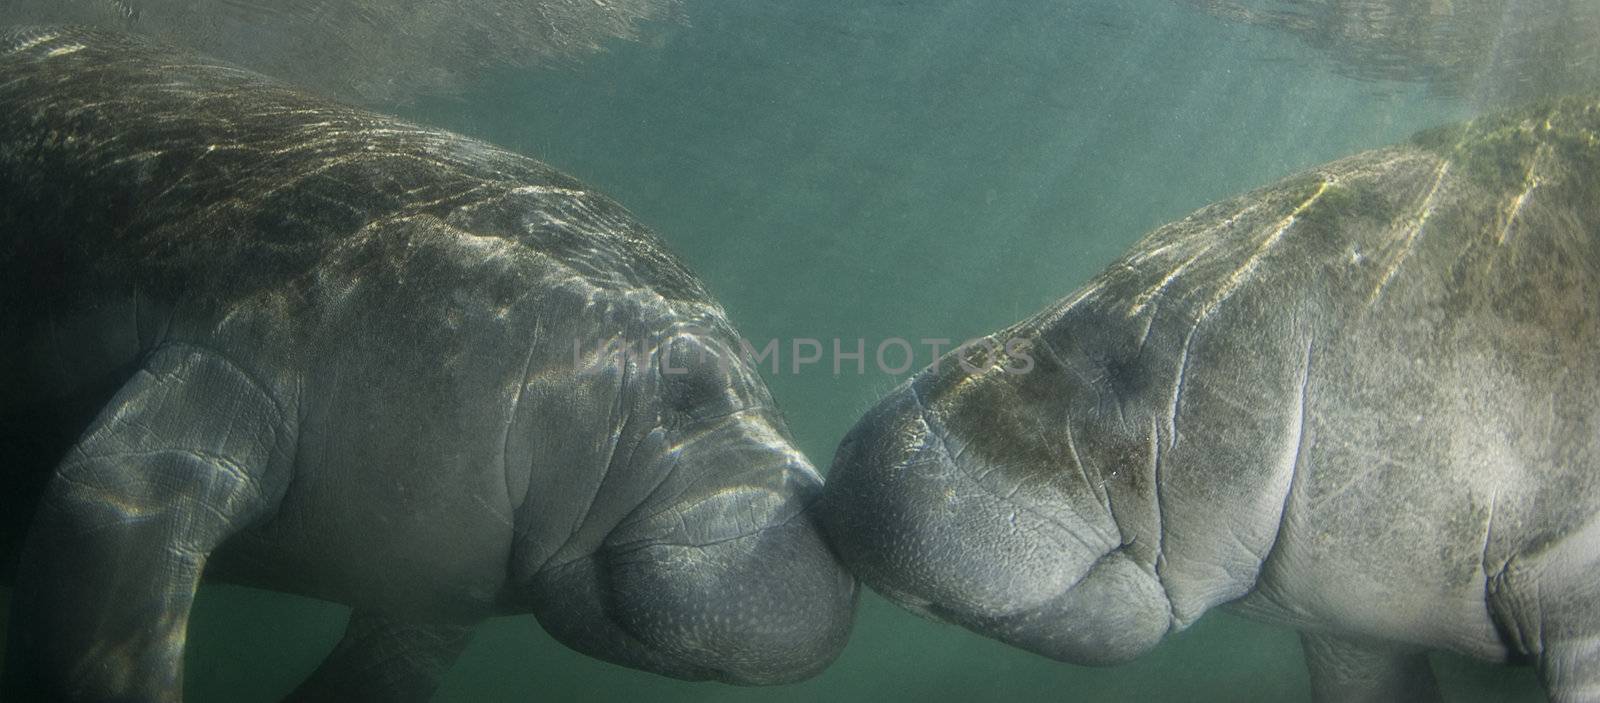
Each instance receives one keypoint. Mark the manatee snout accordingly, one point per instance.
(764, 608)
(723, 575)
(924, 515)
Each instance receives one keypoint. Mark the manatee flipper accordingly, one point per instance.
(1547, 605)
(189, 451)
(380, 659)
(1351, 671)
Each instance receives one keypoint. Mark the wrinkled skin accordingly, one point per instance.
(1361, 402)
(256, 336)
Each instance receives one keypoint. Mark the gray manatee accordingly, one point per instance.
(1363, 402)
(252, 335)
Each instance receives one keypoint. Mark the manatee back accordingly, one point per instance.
(146, 151)
(142, 179)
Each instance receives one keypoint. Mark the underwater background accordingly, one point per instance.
(904, 169)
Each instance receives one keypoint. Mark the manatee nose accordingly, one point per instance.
(880, 505)
(947, 533)
(764, 608)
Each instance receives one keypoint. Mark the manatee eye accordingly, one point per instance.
(693, 381)
(695, 389)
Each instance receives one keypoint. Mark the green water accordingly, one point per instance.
(900, 169)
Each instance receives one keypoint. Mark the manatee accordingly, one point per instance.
(1363, 402)
(256, 336)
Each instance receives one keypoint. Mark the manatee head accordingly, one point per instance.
(691, 551)
(964, 496)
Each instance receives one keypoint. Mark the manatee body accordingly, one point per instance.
(1361, 402)
(254, 335)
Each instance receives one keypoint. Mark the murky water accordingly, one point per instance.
(887, 169)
